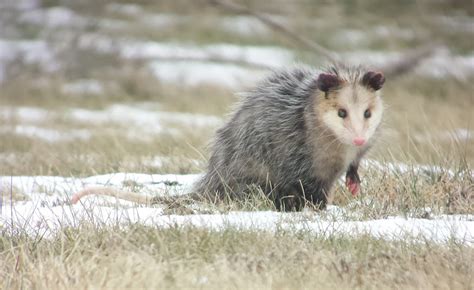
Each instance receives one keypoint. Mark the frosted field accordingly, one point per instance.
(47, 210)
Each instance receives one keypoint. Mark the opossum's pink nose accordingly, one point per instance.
(358, 141)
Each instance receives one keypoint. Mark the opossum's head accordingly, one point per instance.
(350, 104)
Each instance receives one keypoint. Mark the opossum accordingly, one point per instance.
(292, 136)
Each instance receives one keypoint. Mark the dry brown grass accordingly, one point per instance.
(190, 258)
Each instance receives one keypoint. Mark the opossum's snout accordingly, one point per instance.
(358, 141)
(355, 125)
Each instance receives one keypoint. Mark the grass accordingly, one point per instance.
(421, 121)
(191, 258)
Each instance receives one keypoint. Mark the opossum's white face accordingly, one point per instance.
(353, 112)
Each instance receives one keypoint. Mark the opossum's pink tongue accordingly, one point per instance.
(353, 186)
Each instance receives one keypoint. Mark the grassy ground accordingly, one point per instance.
(190, 258)
(422, 118)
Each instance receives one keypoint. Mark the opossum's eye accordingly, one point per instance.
(342, 113)
(367, 114)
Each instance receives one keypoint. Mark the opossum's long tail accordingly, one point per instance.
(136, 197)
(121, 194)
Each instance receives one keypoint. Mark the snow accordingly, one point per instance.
(49, 135)
(188, 64)
(243, 25)
(443, 64)
(35, 52)
(440, 65)
(47, 211)
(265, 56)
(20, 4)
(83, 86)
(53, 17)
(457, 23)
(259, 55)
(142, 117)
(125, 9)
(141, 121)
(26, 114)
(191, 73)
(160, 161)
(162, 20)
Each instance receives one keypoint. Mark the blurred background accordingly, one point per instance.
(91, 87)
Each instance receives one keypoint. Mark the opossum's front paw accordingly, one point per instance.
(353, 180)
(353, 186)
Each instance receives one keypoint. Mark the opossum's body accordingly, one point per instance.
(294, 135)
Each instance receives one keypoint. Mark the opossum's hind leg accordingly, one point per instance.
(315, 193)
(287, 198)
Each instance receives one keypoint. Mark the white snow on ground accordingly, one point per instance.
(243, 25)
(191, 73)
(35, 52)
(441, 64)
(188, 64)
(362, 38)
(46, 213)
(53, 17)
(162, 20)
(141, 121)
(259, 55)
(24, 114)
(144, 114)
(20, 4)
(144, 118)
(83, 86)
(266, 56)
(457, 23)
(125, 9)
(45, 134)
(219, 64)
(193, 64)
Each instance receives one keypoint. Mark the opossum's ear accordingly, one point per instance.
(373, 80)
(327, 81)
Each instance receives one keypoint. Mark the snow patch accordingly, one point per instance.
(192, 73)
(29, 51)
(83, 87)
(440, 65)
(258, 55)
(443, 64)
(46, 212)
(49, 135)
(143, 119)
(163, 20)
(24, 114)
(125, 9)
(54, 17)
(20, 4)
(457, 23)
(243, 25)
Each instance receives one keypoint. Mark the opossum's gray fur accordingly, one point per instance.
(273, 140)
